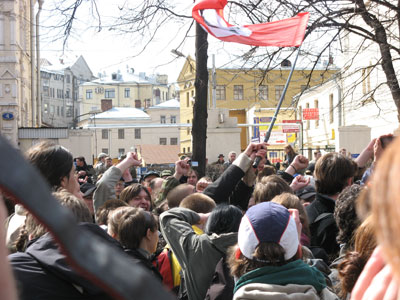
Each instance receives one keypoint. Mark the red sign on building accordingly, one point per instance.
(310, 114)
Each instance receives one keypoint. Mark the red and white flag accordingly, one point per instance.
(284, 33)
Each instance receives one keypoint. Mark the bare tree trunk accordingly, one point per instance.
(199, 129)
(384, 47)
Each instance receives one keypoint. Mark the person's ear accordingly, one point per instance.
(350, 181)
(64, 182)
(148, 233)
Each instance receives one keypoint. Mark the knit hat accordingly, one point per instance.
(268, 222)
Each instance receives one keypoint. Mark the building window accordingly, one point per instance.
(138, 104)
(127, 93)
(220, 92)
(187, 99)
(46, 108)
(89, 94)
(52, 109)
(331, 108)
(173, 119)
(278, 91)
(67, 94)
(174, 141)
(162, 119)
(121, 151)
(46, 91)
(104, 150)
(138, 133)
(316, 106)
(58, 110)
(68, 78)
(263, 92)
(238, 92)
(163, 141)
(104, 134)
(188, 149)
(109, 93)
(308, 121)
(184, 150)
(188, 128)
(60, 94)
(69, 111)
(62, 111)
(147, 103)
(121, 134)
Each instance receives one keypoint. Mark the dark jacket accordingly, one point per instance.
(139, 257)
(42, 272)
(323, 231)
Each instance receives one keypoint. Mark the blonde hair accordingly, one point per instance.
(385, 200)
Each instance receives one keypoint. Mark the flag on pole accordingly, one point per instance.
(284, 33)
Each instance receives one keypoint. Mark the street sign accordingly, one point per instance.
(310, 114)
(290, 128)
(291, 121)
(8, 116)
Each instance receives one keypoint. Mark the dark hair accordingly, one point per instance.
(53, 161)
(108, 206)
(115, 218)
(132, 191)
(345, 214)
(332, 172)
(133, 227)
(198, 202)
(269, 187)
(266, 254)
(224, 219)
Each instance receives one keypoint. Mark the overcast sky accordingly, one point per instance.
(109, 51)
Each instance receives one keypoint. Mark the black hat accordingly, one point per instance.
(221, 155)
(151, 173)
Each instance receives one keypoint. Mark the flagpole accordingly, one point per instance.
(268, 134)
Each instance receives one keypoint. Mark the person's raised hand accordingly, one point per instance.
(299, 182)
(132, 159)
(256, 149)
(182, 168)
(300, 162)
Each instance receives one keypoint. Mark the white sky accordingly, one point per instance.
(109, 51)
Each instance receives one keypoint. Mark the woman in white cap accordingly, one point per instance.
(266, 262)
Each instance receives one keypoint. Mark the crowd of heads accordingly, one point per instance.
(289, 210)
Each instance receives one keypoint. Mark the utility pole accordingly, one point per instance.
(199, 126)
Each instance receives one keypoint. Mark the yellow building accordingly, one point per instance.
(17, 68)
(241, 91)
(123, 90)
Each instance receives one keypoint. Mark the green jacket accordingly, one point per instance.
(198, 255)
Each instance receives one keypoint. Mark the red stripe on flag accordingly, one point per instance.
(284, 33)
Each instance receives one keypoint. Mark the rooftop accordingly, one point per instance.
(173, 103)
(126, 113)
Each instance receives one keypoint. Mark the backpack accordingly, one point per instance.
(163, 263)
(319, 234)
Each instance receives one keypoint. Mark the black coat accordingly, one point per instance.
(42, 272)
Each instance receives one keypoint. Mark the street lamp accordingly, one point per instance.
(92, 112)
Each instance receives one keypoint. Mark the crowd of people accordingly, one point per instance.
(323, 229)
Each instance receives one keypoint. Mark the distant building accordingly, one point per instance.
(121, 129)
(124, 90)
(249, 95)
(17, 69)
(60, 91)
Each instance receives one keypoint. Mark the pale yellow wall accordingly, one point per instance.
(250, 79)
